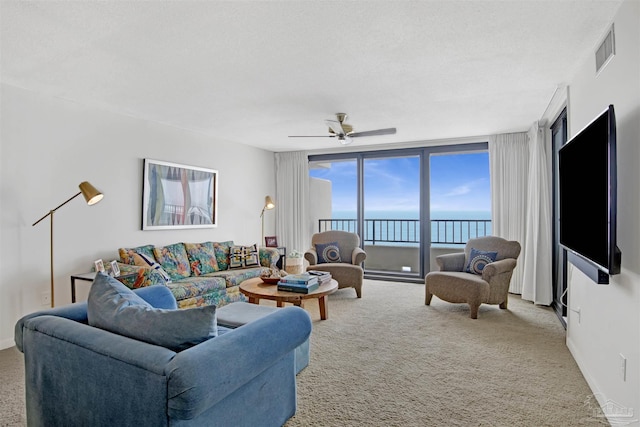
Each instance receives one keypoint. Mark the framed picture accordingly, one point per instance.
(178, 196)
(99, 265)
(271, 241)
(115, 269)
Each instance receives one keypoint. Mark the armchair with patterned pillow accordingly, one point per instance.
(339, 253)
(481, 274)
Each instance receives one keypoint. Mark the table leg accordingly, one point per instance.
(324, 309)
(254, 300)
(279, 303)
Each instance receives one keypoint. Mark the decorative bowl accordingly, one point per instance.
(270, 280)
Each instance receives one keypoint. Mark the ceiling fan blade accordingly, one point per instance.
(388, 131)
(335, 126)
(312, 136)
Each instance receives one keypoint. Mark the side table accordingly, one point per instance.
(89, 278)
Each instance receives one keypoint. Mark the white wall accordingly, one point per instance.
(48, 146)
(609, 323)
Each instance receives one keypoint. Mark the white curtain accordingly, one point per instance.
(536, 268)
(293, 226)
(509, 170)
(521, 208)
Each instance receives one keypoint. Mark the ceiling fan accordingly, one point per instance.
(344, 132)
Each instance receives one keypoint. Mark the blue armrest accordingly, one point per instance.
(253, 348)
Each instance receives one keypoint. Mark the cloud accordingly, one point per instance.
(460, 190)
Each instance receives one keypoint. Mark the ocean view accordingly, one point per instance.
(402, 227)
(391, 214)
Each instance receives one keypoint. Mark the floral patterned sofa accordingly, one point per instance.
(207, 273)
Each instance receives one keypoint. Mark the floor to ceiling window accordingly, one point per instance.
(388, 196)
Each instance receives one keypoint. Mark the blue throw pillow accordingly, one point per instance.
(328, 252)
(114, 307)
(478, 259)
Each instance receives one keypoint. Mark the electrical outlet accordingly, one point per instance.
(623, 367)
(576, 311)
(46, 298)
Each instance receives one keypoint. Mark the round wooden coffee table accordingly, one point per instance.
(255, 290)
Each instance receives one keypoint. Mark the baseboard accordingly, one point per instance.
(602, 402)
(9, 342)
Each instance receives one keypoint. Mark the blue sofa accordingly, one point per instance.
(79, 375)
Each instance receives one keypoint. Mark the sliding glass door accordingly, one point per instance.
(392, 214)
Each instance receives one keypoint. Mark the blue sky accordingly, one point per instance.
(459, 182)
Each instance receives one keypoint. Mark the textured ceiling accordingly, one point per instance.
(256, 72)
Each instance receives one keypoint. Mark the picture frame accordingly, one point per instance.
(177, 196)
(271, 241)
(115, 269)
(99, 265)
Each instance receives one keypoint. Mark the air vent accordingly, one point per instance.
(606, 50)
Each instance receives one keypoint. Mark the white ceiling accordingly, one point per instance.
(256, 72)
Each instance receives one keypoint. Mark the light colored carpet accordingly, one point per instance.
(12, 408)
(389, 360)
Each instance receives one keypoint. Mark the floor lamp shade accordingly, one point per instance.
(92, 196)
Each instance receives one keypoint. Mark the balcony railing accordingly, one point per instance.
(407, 231)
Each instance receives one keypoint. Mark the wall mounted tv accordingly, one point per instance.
(588, 197)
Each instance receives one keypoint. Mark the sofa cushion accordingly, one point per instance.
(202, 258)
(478, 259)
(243, 256)
(127, 254)
(237, 276)
(222, 253)
(174, 260)
(195, 286)
(115, 308)
(328, 252)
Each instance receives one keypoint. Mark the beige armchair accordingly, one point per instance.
(347, 270)
(453, 284)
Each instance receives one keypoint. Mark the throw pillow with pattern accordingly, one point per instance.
(328, 252)
(478, 260)
(202, 258)
(126, 254)
(222, 253)
(243, 256)
(174, 260)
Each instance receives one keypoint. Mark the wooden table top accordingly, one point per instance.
(256, 288)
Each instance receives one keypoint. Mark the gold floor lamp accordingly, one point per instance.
(91, 195)
(268, 205)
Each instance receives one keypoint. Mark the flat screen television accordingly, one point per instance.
(587, 193)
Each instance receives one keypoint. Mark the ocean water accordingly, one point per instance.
(447, 227)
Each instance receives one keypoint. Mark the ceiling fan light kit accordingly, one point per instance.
(344, 132)
(345, 139)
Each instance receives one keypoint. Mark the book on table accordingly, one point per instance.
(323, 276)
(303, 279)
(298, 287)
